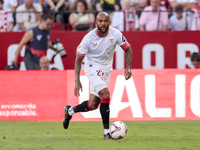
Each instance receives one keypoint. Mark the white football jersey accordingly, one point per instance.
(99, 51)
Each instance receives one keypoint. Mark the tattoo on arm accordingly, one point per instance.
(77, 67)
(129, 57)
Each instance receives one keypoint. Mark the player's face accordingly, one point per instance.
(47, 24)
(103, 23)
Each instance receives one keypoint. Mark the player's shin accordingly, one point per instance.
(105, 111)
(83, 107)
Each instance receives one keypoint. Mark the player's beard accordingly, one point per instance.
(103, 31)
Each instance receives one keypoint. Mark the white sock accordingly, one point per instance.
(106, 131)
(71, 111)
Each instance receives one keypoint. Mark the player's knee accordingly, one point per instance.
(104, 93)
(94, 104)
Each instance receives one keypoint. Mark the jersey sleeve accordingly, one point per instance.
(83, 47)
(121, 40)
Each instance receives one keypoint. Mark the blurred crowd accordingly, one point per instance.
(126, 15)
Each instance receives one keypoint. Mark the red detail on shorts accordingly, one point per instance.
(125, 46)
(98, 72)
(39, 53)
(105, 100)
(81, 54)
(88, 105)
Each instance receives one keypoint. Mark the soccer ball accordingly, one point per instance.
(118, 130)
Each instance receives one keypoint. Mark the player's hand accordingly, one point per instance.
(77, 88)
(14, 61)
(127, 73)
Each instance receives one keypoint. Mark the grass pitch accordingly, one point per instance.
(141, 135)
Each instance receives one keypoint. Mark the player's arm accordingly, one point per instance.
(78, 85)
(28, 36)
(129, 57)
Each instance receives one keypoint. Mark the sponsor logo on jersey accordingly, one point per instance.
(111, 40)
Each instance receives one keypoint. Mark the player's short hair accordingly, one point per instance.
(179, 8)
(1, 1)
(195, 57)
(47, 15)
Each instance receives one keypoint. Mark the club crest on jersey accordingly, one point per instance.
(102, 78)
(111, 40)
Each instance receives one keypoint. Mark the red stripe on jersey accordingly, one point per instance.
(125, 46)
(39, 52)
(81, 54)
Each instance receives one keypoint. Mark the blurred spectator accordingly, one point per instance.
(28, 16)
(81, 19)
(10, 6)
(187, 4)
(45, 6)
(45, 64)
(72, 3)
(34, 1)
(37, 41)
(127, 19)
(9, 21)
(139, 3)
(58, 6)
(107, 5)
(177, 22)
(163, 3)
(154, 17)
(195, 60)
(195, 17)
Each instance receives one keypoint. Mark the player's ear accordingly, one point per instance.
(109, 22)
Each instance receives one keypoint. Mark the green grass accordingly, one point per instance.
(142, 135)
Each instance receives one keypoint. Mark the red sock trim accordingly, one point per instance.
(105, 100)
(89, 106)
